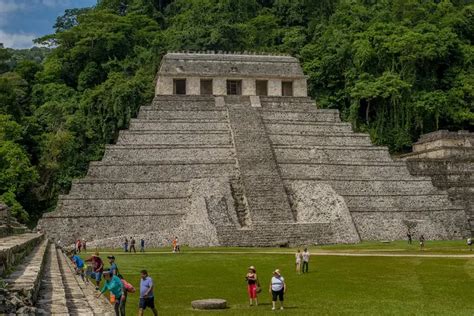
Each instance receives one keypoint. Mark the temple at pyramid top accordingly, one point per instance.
(230, 74)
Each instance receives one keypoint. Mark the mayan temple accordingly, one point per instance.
(233, 152)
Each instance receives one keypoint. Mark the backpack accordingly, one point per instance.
(128, 287)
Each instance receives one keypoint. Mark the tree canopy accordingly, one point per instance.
(394, 68)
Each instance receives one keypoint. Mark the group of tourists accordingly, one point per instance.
(277, 287)
(132, 245)
(114, 282)
(421, 240)
(302, 261)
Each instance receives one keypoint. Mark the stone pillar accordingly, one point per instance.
(219, 86)
(248, 87)
(274, 87)
(193, 86)
(164, 86)
(300, 88)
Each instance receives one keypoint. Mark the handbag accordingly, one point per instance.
(259, 288)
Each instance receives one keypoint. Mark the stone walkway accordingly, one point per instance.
(16, 240)
(64, 293)
(27, 276)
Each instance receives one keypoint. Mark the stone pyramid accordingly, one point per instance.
(232, 152)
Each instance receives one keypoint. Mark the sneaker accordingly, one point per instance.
(281, 308)
(96, 288)
(273, 308)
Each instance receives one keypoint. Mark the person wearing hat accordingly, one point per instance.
(114, 285)
(113, 266)
(277, 288)
(252, 284)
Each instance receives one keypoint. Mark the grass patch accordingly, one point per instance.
(334, 286)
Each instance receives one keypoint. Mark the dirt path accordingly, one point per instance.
(328, 253)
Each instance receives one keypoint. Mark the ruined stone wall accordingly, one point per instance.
(448, 159)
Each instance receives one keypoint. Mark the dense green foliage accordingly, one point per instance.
(394, 68)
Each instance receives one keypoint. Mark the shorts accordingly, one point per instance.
(146, 302)
(252, 290)
(277, 294)
(97, 276)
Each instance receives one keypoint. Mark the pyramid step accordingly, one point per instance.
(26, 278)
(52, 296)
(174, 138)
(80, 297)
(374, 187)
(402, 202)
(149, 125)
(125, 190)
(202, 115)
(350, 139)
(308, 128)
(332, 153)
(149, 153)
(14, 248)
(345, 171)
(300, 116)
(89, 207)
(161, 172)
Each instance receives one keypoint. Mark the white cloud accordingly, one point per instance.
(18, 40)
(8, 6)
(55, 3)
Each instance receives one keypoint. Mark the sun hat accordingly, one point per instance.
(252, 268)
(277, 271)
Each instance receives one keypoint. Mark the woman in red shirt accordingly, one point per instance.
(252, 284)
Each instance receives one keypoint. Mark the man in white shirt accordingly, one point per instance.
(305, 260)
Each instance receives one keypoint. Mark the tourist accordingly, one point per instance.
(298, 261)
(277, 288)
(176, 245)
(409, 238)
(127, 288)
(97, 268)
(252, 285)
(78, 265)
(422, 242)
(125, 245)
(84, 245)
(178, 249)
(469, 243)
(306, 256)
(114, 285)
(146, 294)
(78, 246)
(142, 245)
(132, 245)
(113, 266)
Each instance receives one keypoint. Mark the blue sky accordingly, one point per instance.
(21, 21)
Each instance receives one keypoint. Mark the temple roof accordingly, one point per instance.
(230, 65)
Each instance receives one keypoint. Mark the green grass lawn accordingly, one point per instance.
(335, 285)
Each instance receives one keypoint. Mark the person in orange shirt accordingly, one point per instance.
(174, 244)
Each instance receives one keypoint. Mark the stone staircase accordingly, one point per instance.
(63, 292)
(42, 281)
